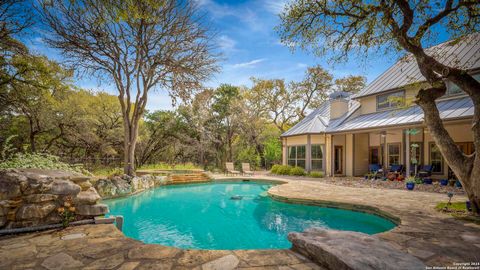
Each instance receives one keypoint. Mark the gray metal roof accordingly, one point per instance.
(449, 109)
(319, 120)
(464, 54)
(315, 122)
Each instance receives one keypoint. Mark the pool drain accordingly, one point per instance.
(236, 197)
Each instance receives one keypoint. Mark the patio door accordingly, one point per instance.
(338, 159)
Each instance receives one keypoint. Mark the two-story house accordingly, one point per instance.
(349, 132)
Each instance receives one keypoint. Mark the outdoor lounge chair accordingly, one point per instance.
(246, 169)
(394, 171)
(425, 171)
(375, 169)
(231, 168)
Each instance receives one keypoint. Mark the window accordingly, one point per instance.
(436, 159)
(453, 89)
(296, 156)
(374, 157)
(317, 157)
(390, 100)
(393, 154)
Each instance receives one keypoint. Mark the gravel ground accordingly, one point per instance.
(361, 182)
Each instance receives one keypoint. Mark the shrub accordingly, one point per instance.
(275, 168)
(39, 161)
(316, 174)
(297, 171)
(284, 170)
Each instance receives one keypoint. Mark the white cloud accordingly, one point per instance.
(226, 44)
(249, 63)
(275, 6)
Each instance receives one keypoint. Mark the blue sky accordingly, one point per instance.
(250, 48)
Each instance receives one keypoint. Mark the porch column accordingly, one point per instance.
(328, 155)
(349, 154)
(284, 151)
(308, 157)
(407, 152)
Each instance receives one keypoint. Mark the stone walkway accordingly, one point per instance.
(435, 238)
(104, 247)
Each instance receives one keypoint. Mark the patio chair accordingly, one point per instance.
(375, 169)
(231, 168)
(394, 171)
(425, 171)
(246, 169)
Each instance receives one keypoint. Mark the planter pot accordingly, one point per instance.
(469, 206)
(444, 182)
(427, 181)
(458, 184)
(410, 185)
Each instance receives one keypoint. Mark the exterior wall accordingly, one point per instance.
(349, 154)
(303, 140)
(368, 104)
(360, 154)
(338, 108)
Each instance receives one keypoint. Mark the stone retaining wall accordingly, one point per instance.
(31, 197)
(121, 186)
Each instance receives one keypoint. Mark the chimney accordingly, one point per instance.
(338, 104)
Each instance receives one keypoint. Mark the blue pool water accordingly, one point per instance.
(204, 216)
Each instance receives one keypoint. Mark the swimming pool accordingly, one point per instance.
(228, 215)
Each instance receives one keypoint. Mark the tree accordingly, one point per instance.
(276, 101)
(35, 93)
(350, 83)
(346, 26)
(312, 91)
(225, 112)
(138, 44)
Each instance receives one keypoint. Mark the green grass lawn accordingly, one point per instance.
(457, 210)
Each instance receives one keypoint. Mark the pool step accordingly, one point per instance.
(188, 178)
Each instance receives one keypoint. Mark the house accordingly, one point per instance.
(349, 132)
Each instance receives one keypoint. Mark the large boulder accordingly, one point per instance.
(92, 210)
(35, 211)
(65, 187)
(89, 197)
(40, 198)
(106, 188)
(345, 250)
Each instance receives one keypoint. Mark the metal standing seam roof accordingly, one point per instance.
(449, 109)
(319, 120)
(464, 54)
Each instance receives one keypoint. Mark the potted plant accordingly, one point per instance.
(410, 183)
(443, 182)
(418, 180)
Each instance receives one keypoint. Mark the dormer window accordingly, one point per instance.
(453, 89)
(390, 100)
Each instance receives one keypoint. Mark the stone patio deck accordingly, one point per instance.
(104, 247)
(435, 238)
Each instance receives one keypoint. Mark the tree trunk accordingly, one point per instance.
(131, 134)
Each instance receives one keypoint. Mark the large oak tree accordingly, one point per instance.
(136, 45)
(343, 26)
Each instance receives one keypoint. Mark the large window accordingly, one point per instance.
(296, 156)
(394, 154)
(374, 155)
(390, 100)
(436, 159)
(317, 157)
(453, 89)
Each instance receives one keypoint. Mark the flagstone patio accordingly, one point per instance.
(433, 237)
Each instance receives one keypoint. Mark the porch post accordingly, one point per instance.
(285, 151)
(308, 161)
(407, 152)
